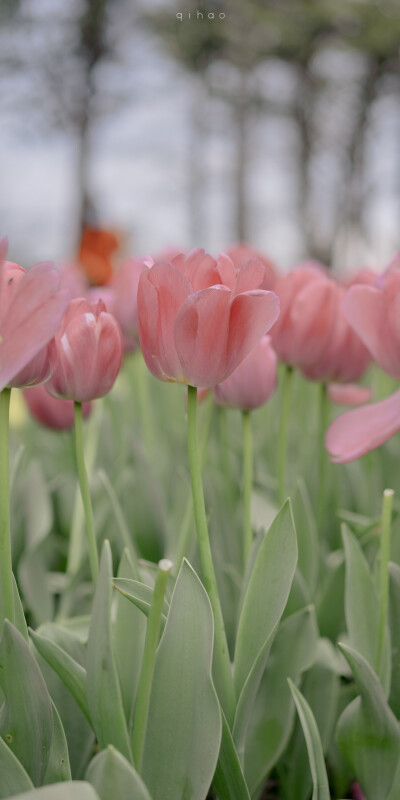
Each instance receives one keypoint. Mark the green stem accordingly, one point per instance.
(76, 545)
(6, 576)
(145, 404)
(85, 492)
(185, 530)
(283, 431)
(323, 456)
(223, 670)
(222, 423)
(384, 571)
(149, 655)
(247, 483)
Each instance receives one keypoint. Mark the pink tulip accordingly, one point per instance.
(51, 412)
(345, 357)
(31, 308)
(123, 303)
(86, 354)
(242, 253)
(253, 382)
(198, 318)
(309, 307)
(349, 394)
(374, 313)
(363, 429)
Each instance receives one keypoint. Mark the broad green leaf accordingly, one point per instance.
(58, 768)
(292, 652)
(139, 594)
(125, 534)
(19, 616)
(314, 746)
(329, 598)
(102, 685)
(307, 537)
(229, 780)
(394, 617)
(13, 776)
(73, 790)
(71, 673)
(362, 608)
(368, 733)
(129, 630)
(114, 777)
(266, 595)
(26, 717)
(33, 579)
(184, 722)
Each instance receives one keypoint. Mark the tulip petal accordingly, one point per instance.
(201, 335)
(201, 270)
(250, 276)
(363, 429)
(365, 307)
(349, 394)
(161, 292)
(252, 315)
(314, 314)
(31, 320)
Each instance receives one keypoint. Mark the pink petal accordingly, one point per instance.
(201, 335)
(31, 320)
(250, 276)
(349, 394)
(201, 270)
(366, 310)
(252, 315)
(161, 292)
(357, 432)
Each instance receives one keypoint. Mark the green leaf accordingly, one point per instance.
(314, 746)
(139, 594)
(26, 717)
(72, 674)
(73, 790)
(266, 596)
(368, 733)
(394, 617)
(129, 632)
(13, 776)
(114, 777)
(320, 687)
(102, 685)
(184, 721)
(362, 608)
(58, 768)
(229, 781)
(307, 537)
(292, 652)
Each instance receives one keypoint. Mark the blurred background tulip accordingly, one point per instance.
(50, 411)
(253, 382)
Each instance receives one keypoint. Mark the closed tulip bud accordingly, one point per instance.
(199, 318)
(50, 411)
(253, 382)
(86, 353)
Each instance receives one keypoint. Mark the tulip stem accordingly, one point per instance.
(185, 530)
(386, 525)
(6, 576)
(323, 458)
(148, 662)
(85, 492)
(223, 669)
(283, 431)
(247, 483)
(145, 404)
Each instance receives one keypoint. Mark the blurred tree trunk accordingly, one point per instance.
(303, 116)
(196, 171)
(92, 49)
(241, 110)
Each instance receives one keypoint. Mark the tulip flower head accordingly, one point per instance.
(31, 308)
(52, 412)
(253, 382)
(123, 288)
(242, 253)
(199, 318)
(86, 353)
